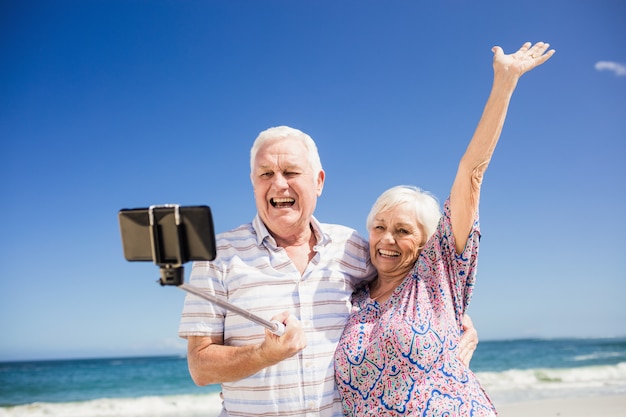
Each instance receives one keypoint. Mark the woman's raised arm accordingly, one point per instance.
(465, 193)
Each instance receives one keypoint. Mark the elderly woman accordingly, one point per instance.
(398, 354)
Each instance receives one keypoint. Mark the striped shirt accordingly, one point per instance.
(252, 272)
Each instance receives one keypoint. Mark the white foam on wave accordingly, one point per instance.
(503, 387)
(166, 406)
(597, 355)
(515, 385)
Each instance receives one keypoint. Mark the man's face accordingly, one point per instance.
(285, 187)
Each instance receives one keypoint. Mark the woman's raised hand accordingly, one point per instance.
(526, 58)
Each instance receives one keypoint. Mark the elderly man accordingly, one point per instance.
(285, 265)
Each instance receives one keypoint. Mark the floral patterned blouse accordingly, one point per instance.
(400, 357)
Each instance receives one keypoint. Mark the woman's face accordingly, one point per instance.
(396, 239)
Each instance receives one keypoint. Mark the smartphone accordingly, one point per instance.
(167, 234)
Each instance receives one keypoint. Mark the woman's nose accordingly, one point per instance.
(388, 237)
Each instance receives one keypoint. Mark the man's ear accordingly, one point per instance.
(321, 176)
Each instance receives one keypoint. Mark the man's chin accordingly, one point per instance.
(282, 219)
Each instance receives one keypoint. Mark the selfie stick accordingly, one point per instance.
(273, 326)
(172, 272)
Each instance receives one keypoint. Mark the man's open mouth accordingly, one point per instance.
(282, 202)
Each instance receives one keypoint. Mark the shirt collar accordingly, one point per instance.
(263, 235)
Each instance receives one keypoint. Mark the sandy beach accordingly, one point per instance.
(597, 406)
(592, 406)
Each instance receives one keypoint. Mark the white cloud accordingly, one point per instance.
(616, 67)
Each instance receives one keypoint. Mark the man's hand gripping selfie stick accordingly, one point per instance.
(273, 326)
(146, 233)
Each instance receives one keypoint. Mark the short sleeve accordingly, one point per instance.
(446, 267)
(199, 317)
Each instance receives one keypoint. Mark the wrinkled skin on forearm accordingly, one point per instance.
(211, 362)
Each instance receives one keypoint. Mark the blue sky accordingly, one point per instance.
(118, 104)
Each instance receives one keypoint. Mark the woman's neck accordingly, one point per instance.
(383, 286)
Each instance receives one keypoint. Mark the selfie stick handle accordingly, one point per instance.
(273, 326)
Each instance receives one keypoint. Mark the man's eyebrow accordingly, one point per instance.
(283, 167)
(293, 166)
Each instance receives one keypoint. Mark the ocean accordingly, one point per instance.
(510, 371)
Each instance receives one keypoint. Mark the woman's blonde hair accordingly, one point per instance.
(425, 204)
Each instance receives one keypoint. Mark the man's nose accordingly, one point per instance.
(280, 181)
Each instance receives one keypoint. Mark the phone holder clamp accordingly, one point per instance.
(171, 273)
